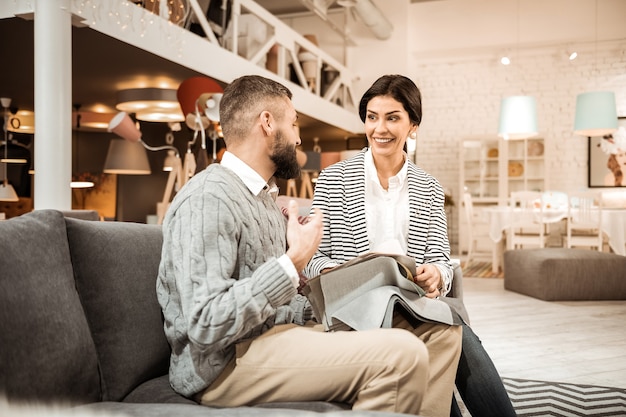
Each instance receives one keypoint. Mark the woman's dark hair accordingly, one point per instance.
(402, 89)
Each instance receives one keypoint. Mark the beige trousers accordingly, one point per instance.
(381, 369)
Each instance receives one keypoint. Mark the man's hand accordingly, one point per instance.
(428, 277)
(303, 239)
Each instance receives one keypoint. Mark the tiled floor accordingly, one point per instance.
(580, 342)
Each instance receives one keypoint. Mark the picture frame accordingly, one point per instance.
(598, 174)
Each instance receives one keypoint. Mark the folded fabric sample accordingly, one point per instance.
(366, 293)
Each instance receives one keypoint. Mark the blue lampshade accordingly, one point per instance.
(596, 114)
(518, 117)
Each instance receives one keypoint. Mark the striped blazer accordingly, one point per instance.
(340, 194)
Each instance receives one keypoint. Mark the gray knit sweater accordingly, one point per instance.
(219, 279)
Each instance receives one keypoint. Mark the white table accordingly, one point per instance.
(499, 219)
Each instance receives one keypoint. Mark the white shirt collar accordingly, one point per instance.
(248, 176)
(371, 173)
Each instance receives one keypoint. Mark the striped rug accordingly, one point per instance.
(540, 398)
(479, 270)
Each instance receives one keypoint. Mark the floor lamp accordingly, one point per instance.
(123, 126)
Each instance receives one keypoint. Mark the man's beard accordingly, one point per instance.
(284, 157)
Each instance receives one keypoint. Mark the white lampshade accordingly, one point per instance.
(518, 117)
(128, 158)
(596, 114)
(209, 103)
(7, 192)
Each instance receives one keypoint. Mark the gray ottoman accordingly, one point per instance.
(559, 274)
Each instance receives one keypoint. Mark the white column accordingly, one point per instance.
(53, 105)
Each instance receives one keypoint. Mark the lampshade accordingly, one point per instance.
(82, 184)
(128, 158)
(90, 120)
(191, 88)
(22, 122)
(313, 161)
(123, 126)
(150, 104)
(596, 114)
(209, 103)
(7, 192)
(518, 117)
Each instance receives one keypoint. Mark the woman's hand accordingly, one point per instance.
(428, 277)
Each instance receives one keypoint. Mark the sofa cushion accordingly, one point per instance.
(46, 350)
(115, 267)
(157, 390)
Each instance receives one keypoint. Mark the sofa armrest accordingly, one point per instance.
(456, 291)
(455, 297)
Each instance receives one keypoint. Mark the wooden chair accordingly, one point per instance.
(584, 222)
(527, 228)
(474, 234)
(555, 214)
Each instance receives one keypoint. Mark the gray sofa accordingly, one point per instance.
(80, 323)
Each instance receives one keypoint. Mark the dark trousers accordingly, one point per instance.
(478, 381)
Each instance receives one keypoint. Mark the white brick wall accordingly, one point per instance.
(461, 97)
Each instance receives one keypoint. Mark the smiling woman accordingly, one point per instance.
(398, 208)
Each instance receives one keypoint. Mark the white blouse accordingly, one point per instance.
(386, 211)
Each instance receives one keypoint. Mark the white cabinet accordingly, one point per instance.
(480, 169)
(490, 168)
(525, 165)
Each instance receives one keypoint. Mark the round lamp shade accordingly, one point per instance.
(150, 104)
(596, 114)
(518, 117)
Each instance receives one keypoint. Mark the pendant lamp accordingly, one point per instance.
(596, 114)
(7, 192)
(518, 117)
(596, 111)
(518, 114)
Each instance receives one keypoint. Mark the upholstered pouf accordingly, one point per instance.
(559, 274)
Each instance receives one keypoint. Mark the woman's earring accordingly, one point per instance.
(413, 135)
